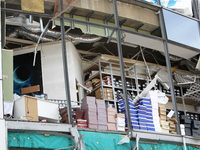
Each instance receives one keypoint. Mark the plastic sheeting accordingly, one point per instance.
(39, 141)
(93, 141)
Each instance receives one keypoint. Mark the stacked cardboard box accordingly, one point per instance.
(108, 93)
(120, 122)
(106, 81)
(111, 118)
(64, 115)
(101, 114)
(163, 118)
(145, 109)
(81, 123)
(89, 107)
(172, 125)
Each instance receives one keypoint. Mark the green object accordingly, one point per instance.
(25, 140)
(92, 140)
(7, 69)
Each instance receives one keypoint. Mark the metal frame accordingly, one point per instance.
(65, 69)
(121, 62)
(118, 30)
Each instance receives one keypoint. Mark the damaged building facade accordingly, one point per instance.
(100, 74)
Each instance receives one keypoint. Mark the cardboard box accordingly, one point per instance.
(110, 111)
(120, 115)
(92, 126)
(102, 127)
(120, 121)
(111, 119)
(89, 99)
(165, 130)
(111, 126)
(163, 117)
(120, 128)
(162, 106)
(102, 121)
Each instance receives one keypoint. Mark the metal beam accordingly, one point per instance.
(72, 16)
(121, 62)
(1, 75)
(65, 68)
(166, 52)
(137, 28)
(88, 19)
(106, 23)
(122, 22)
(19, 41)
(155, 30)
(37, 126)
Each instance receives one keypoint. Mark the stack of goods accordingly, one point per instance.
(111, 118)
(133, 113)
(163, 118)
(108, 93)
(101, 114)
(172, 125)
(106, 81)
(64, 115)
(81, 123)
(120, 119)
(187, 124)
(89, 107)
(145, 116)
(118, 94)
(117, 83)
(195, 128)
(155, 114)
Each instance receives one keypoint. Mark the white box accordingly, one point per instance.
(119, 128)
(120, 122)
(33, 109)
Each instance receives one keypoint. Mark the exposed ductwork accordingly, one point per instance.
(50, 35)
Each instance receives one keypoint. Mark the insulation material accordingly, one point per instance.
(33, 5)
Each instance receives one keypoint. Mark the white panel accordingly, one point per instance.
(3, 135)
(158, 45)
(48, 110)
(144, 41)
(52, 71)
(53, 74)
(19, 108)
(181, 51)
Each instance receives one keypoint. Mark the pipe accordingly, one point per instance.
(53, 35)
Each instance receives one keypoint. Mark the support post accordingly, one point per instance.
(119, 47)
(166, 52)
(1, 76)
(65, 68)
(183, 100)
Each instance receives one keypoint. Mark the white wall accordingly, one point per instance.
(53, 74)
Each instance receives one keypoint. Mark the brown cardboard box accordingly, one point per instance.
(120, 115)
(111, 119)
(111, 126)
(163, 117)
(110, 111)
(165, 130)
(161, 112)
(162, 106)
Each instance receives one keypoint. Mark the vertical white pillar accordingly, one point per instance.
(3, 135)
